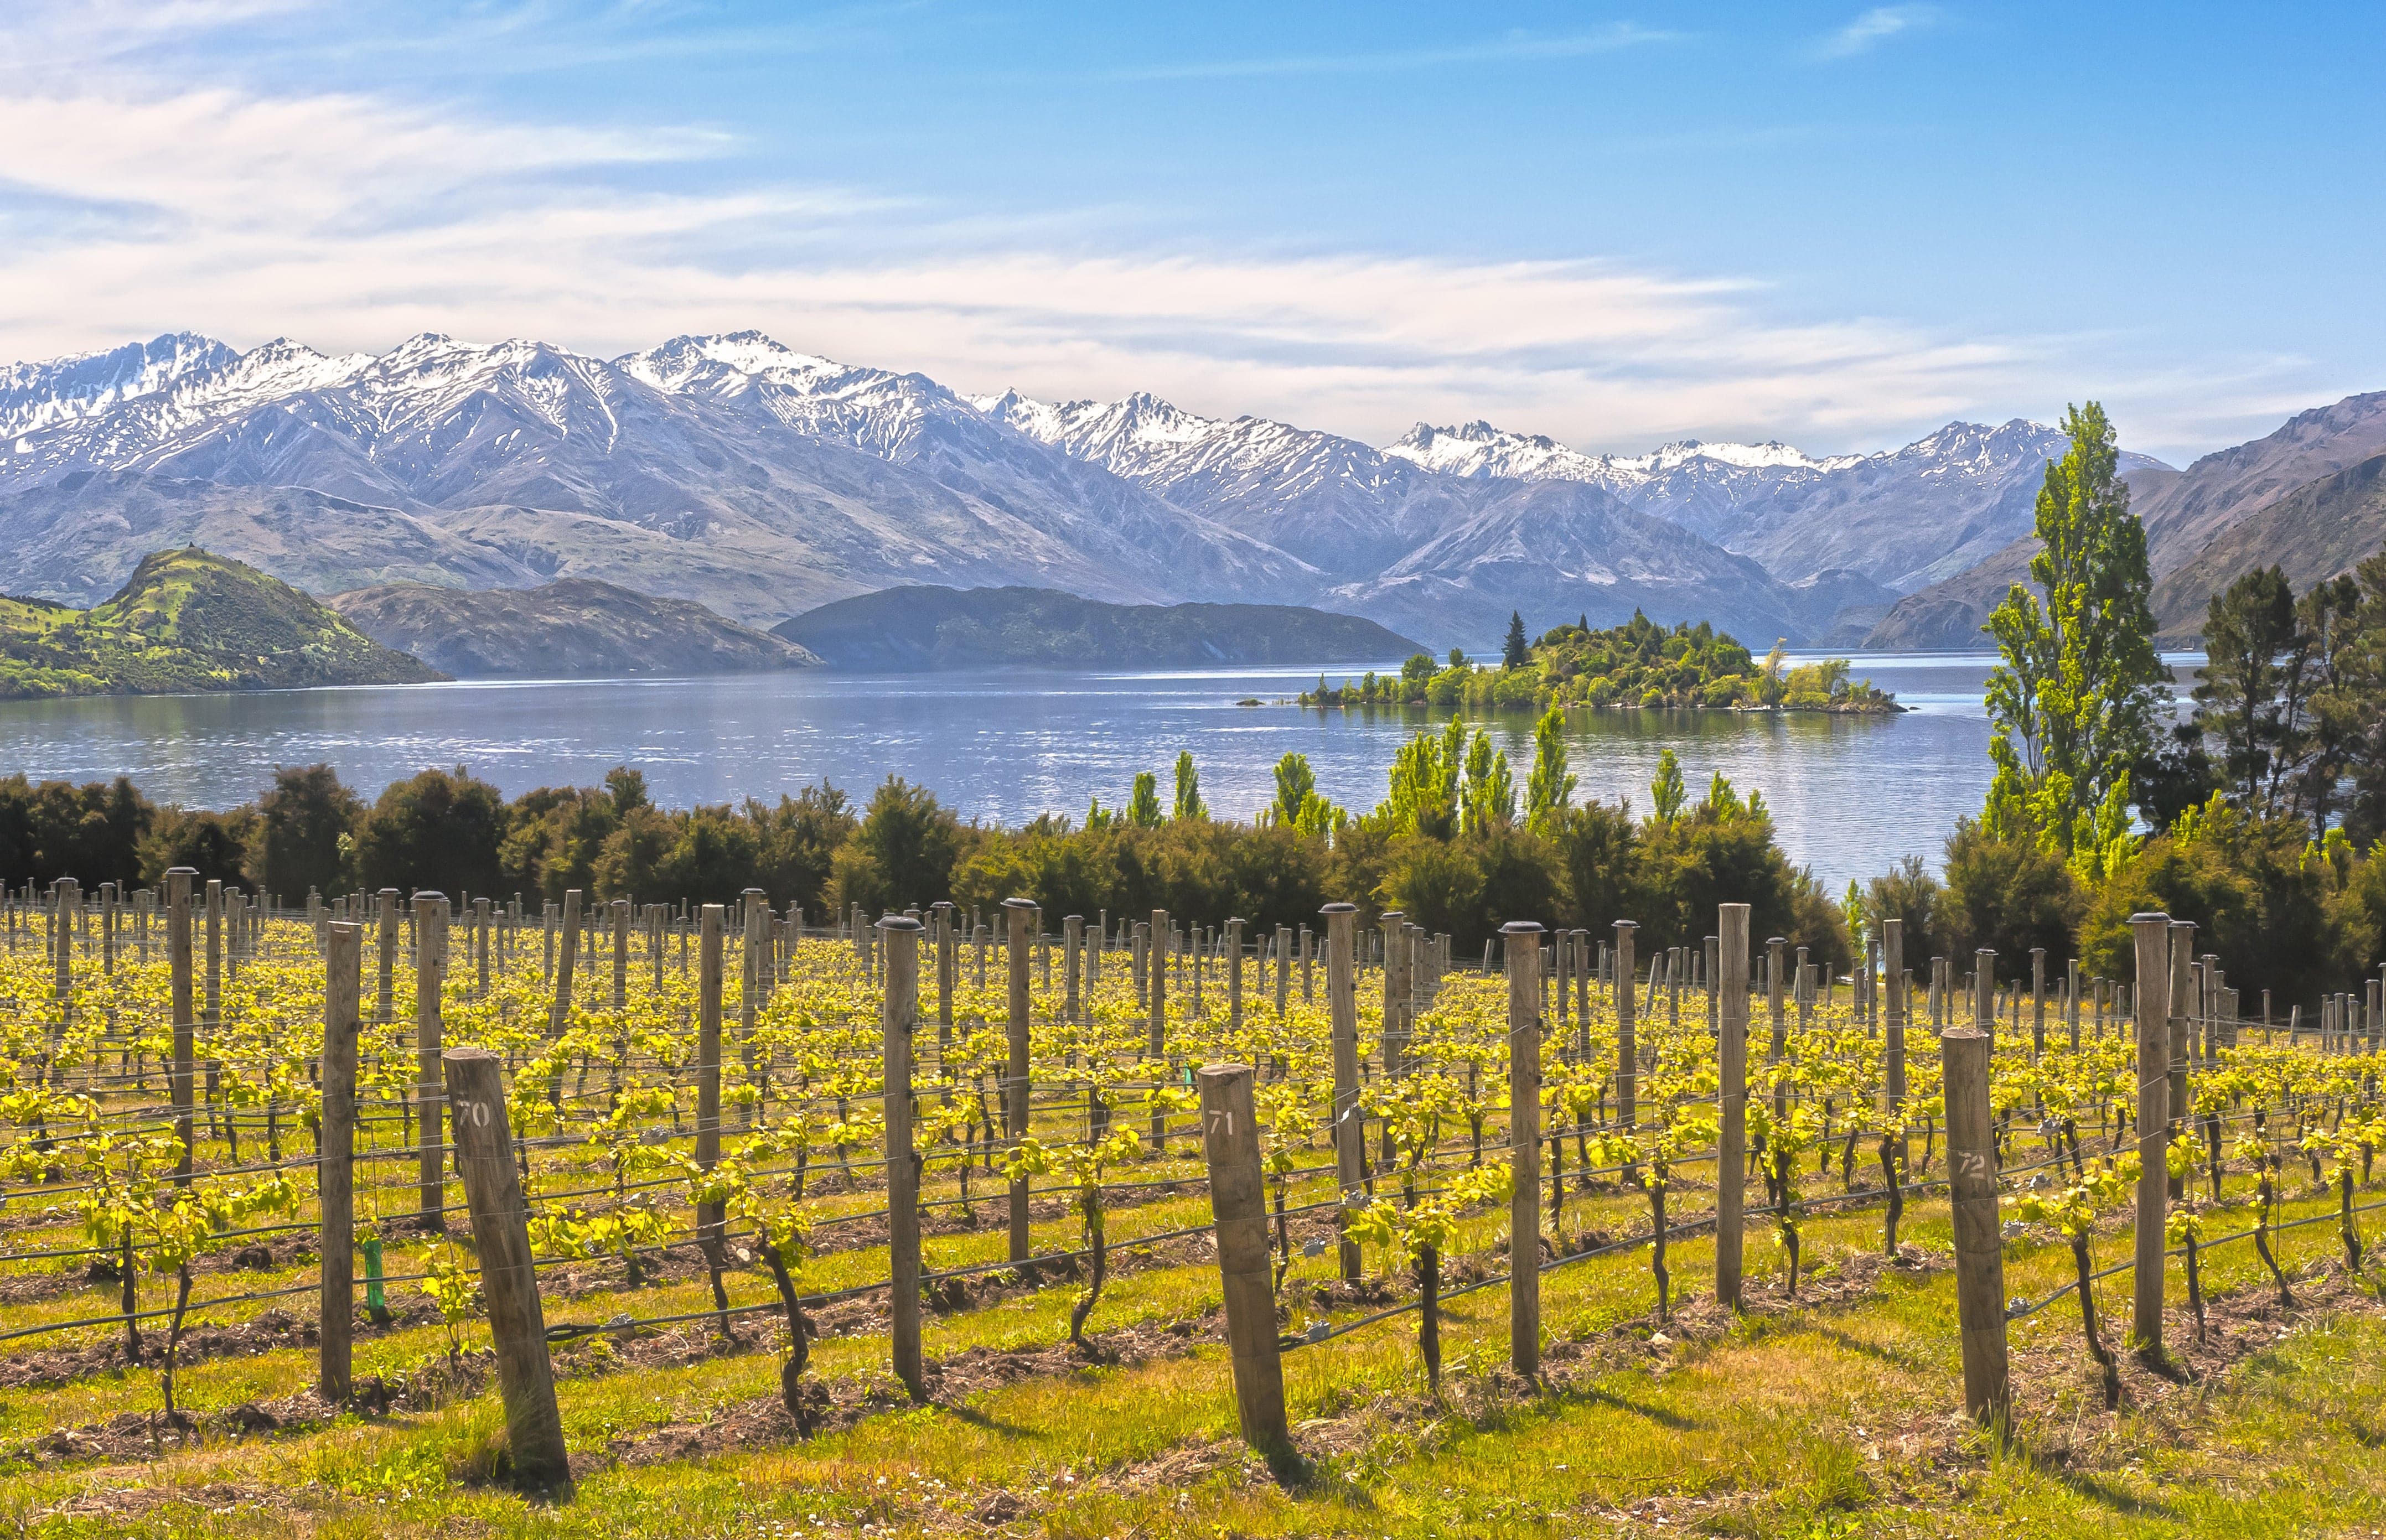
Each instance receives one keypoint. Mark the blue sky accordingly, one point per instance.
(1839, 224)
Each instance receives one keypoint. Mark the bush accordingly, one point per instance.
(2008, 896)
(441, 830)
(2261, 905)
(301, 819)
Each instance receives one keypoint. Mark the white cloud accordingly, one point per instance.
(1875, 27)
(349, 222)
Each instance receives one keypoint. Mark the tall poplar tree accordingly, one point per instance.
(2075, 698)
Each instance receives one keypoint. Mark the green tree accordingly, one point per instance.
(1668, 790)
(213, 845)
(441, 830)
(1549, 789)
(903, 852)
(300, 820)
(2250, 698)
(2008, 894)
(1515, 653)
(92, 832)
(1488, 797)
(797, 843)
(2356, 707)
(1189, 788)
(1908, 893)
(1423, 797)
(2074, 699)
(1143, 801)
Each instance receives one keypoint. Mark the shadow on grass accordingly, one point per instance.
(979, 1419)
(1873, 1350)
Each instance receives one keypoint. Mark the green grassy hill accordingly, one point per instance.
(188, 620)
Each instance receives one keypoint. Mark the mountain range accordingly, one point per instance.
(763, 482)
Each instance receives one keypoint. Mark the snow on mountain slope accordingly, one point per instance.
(912, 420)
(1341, 505)
(36, 395)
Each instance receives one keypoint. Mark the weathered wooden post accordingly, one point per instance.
(481, 949)
(2037, 1002)
(178, 960)
(2151, 933)
(710, 1218)
(620, 918)
(1015, 1081)
(1731, 1098)
(558, 1019)
(2182, 996)
(1979, 1243)
(1627, 1052)
(1283, 969)
(335, 1171)
(1350, 1127)
(1073, 949)
(1234, 974)
(430, 966)
(1892, 1028)
(484, 1152)
(947, 974)
(385, 998)
(1230, 1144)
(898, 1020)
(70, 905)
(1522, 940)
(1156, 1048)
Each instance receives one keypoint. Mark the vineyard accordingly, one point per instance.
(391, 1214)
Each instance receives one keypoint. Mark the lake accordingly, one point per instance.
(1850, 795)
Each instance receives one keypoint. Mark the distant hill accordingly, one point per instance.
(576, 628)
(2317, 530)
(2204, 526)
(190, 621)
(957, 628)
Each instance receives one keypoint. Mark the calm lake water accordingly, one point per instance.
(1850, 795)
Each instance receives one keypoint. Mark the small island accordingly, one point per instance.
(1636, 666)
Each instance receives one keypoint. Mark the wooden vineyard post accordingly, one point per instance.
(1234, 975)
(1155, 966)
(2152, 935)
(1230, 1144)
(430, 966)
(620, 918)
(484, 1151)
(1522, 939)
(948, 974)
(481, 949)
(898, 1020)
(1072, 947)
(1350, 1124)
(2037, 1002)
(558, 1013)
(386, 996)
(1014, 1080)
(2179, 1105)
(1627, 1053)
(710, 1218)
(1731, 1098)
(178, 958)
(335, 1171)
(1979, 1243)
(1892, 1029)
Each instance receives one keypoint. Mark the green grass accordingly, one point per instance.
(1823, 1419)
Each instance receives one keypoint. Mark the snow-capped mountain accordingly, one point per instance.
(36, 395)
(760, 489)
(762, 480)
